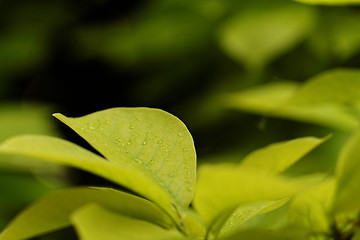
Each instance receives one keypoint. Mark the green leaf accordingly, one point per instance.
(311, 208)
(249, 36)
(233, 220)
(224, 186)
(348, 176)
(277, 157)
(150, 141)
(114, 226)
(331, 99)
(60, 151)
(331, 2)
(53, 211)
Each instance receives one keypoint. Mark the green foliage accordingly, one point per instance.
(228, 196)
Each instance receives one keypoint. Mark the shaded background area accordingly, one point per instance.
(77, 57)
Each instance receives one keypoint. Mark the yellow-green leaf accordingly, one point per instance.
(93, 222)
(234, 219)
(53, 211)
(277, 157)
(150, 141)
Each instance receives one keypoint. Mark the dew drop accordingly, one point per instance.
(167, 159)
(160, 142)
(144, 143)
(172, 174)
(162, 148)
(92, 127)
(138, 118)
(190, 188)
(180, 134)
(151, 162)
(189, 181)
(131, 127)
(129, 143)
(108, 121)
(138, 160)
(119, 140)
(169, 143)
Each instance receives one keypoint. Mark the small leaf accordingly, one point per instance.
(114, 226)
(249, 36)
(348, 176)
(53, 211)
(225, 186)
(277, 157)
(151, 141)
(234, 219)
(60, 151)
(331, 2)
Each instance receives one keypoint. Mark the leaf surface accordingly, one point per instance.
(150, 141)
(114, 226)
(53, 211)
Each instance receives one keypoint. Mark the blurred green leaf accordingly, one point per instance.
(36, 116)
(152, 38)
(331, 99)
(93, 222)
(53, 211)
(259, 34)
(348, 176)
(277, 157)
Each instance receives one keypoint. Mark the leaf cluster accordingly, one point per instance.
(152, 154)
